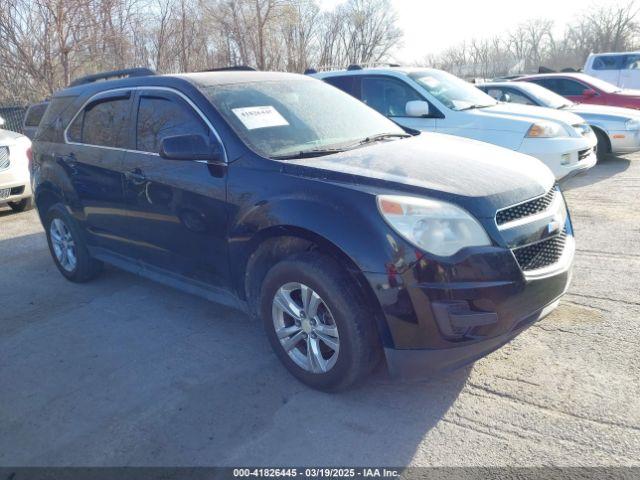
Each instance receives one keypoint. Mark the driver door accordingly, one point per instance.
(177, 208)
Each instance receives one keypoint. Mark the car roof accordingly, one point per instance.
(199, 79)
(577, 75)
(364, 71)
(636, 52)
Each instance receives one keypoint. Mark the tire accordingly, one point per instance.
(23, 205)
(340, 308)
(60, 224)
(602, 149)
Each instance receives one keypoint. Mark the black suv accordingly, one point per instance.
(283, 196)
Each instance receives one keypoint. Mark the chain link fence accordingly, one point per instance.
(13, 117)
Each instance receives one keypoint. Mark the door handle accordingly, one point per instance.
(136, 176)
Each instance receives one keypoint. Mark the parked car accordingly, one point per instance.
(32, 118)
(280, 195)
(433, 100)
(621, 69)
(581, 88)
(617, 129)
(15, 187)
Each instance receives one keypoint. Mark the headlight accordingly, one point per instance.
(437, 227)
(633, 124)
(546, 130)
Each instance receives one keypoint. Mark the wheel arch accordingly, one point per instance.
(274, 244)
(601, 131)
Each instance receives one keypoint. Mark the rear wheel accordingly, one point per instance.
(317, 323)
(68, 247)
(23, 205)
(603, 148)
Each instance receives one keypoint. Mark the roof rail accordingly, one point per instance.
(240, 68)
(127, 72)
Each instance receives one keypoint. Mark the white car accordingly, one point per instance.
(432, 100)
(15, 184)
(619, 68)
(617, 129)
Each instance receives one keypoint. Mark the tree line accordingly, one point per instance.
(48, 43)
(536, 43)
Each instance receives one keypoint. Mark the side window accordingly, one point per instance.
(570, 87)
(550, 83)
(608, 62)
(345, 83)
(632, 62)
(103, 123)
(160, 117)
(495, 93)
(34, 114)
(388, 96)
(514, 96)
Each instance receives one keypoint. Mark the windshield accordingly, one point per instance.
(289, 117)
(545, 96)
(452, 91)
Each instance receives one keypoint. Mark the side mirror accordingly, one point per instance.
(417, 108)
(506, 98)
(191, 147)
(589, 92)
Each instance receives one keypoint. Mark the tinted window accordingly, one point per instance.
(34, 114)
(103, 123)
(346, 84)
(562, 86)
(160, 117)
(608, 62)
(387, 96)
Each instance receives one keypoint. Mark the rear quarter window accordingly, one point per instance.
(34, 114)
(608, 62)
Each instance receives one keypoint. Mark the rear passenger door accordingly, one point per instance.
(92, 157)
(630, 73)
(177, 211)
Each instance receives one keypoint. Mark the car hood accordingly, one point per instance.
(533, 113)
(478, 176)
(605, 112)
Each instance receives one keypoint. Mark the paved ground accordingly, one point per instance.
(125, 372)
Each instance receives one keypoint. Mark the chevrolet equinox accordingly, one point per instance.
(276, 193)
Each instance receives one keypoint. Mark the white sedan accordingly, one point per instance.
(15, 185)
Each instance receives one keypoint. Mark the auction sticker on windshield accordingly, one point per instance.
(260, 117)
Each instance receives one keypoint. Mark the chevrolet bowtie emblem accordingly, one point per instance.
(554, 225)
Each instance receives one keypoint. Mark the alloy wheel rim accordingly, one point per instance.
(305, 328)
(64, 247)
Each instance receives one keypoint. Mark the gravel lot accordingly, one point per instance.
(122, 371)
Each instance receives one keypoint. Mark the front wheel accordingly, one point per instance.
(317, 323)
(602, 148)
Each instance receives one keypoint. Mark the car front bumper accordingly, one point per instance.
(14, 184)
(564, 156)
(484, 290)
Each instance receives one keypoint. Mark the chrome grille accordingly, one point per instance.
(4, 158)
(526, 209)
(541, 254)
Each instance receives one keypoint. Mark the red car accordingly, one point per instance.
(581, 88)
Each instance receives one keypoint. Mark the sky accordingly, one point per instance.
(432, 26)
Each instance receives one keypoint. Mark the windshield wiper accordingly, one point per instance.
(476, 105)
(316, 152)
